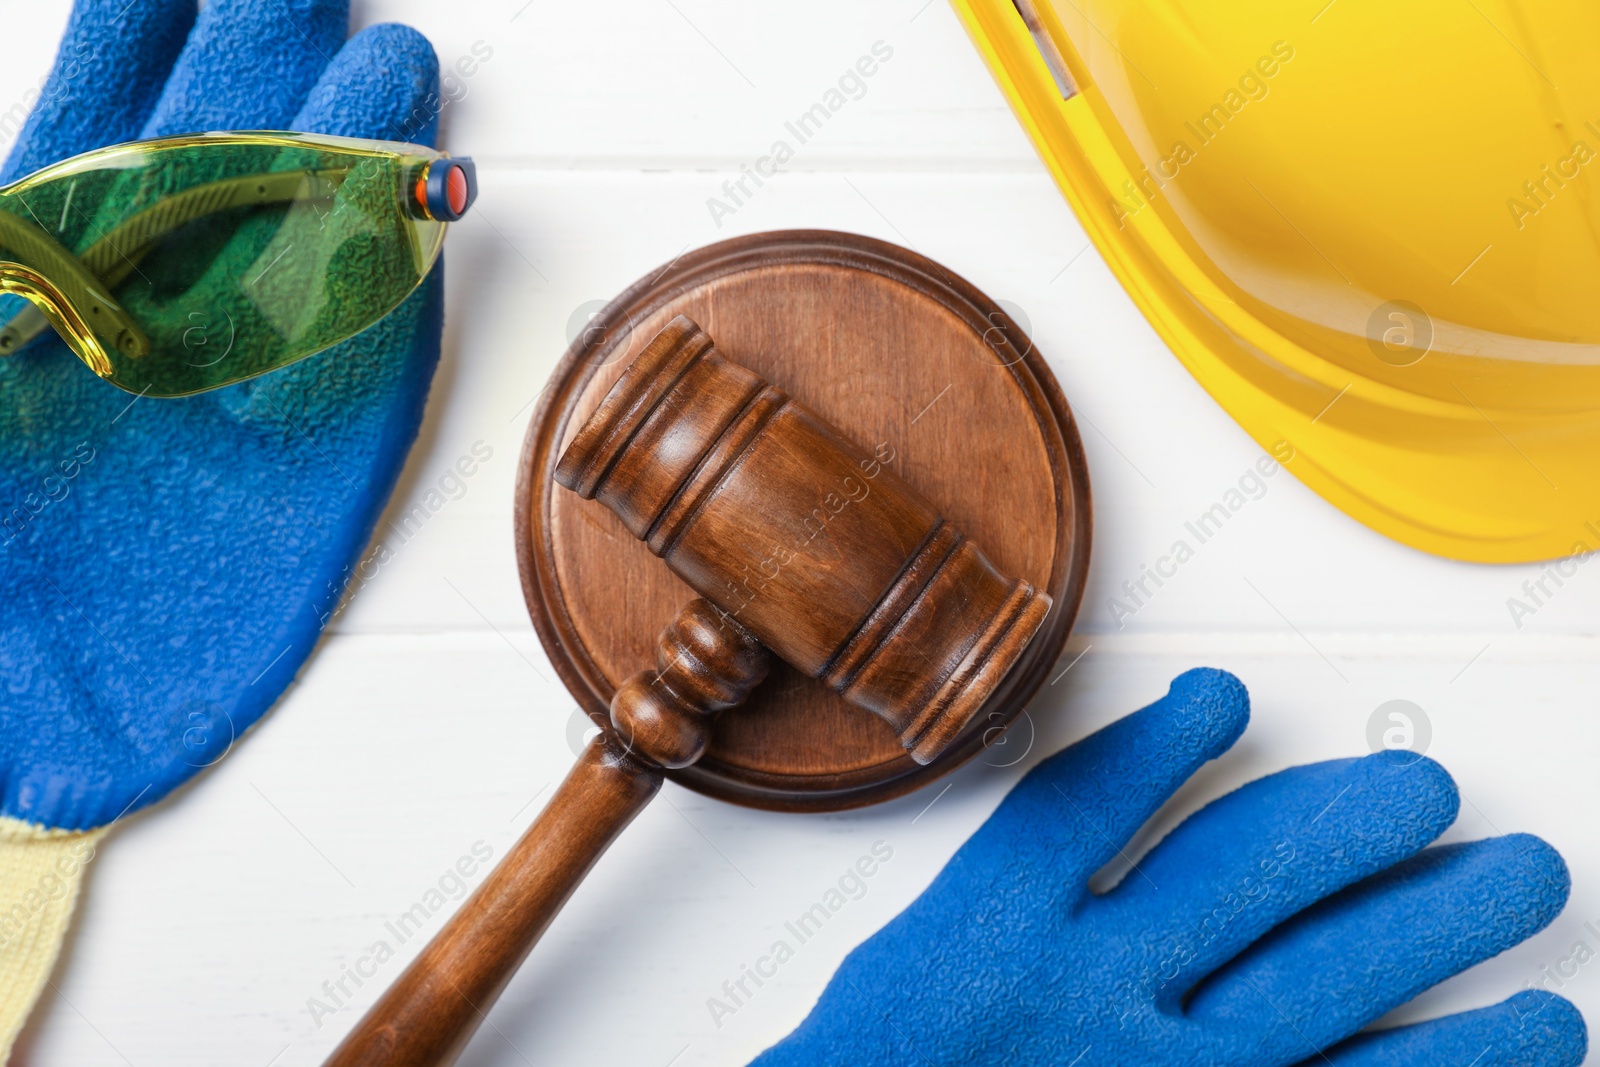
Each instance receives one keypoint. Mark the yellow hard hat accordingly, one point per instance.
(1370, 230)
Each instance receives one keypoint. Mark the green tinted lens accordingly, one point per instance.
(181, 265)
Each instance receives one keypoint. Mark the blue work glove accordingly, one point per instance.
(1263, 932)
(167, 565)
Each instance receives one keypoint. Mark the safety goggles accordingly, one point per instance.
(179, 265)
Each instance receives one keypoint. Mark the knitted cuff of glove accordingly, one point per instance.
(40, 872)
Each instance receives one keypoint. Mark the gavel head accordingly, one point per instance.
(809, 541)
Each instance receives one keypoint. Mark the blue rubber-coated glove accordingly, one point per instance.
(1263, 932)
(167, 565)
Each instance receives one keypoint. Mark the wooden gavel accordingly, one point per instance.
(799, 542)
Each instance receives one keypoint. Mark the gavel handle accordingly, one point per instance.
(705, 663)
(434, 1008)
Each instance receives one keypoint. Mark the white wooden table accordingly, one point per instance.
(429, 723)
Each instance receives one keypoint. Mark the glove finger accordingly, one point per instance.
(249, 65)
(383, 84)
(1076, 810)
(1532, 1029)
(1342, 963)
(113, 61)
(1246, 862)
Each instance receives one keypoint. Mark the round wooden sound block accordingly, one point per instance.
(892, 349)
